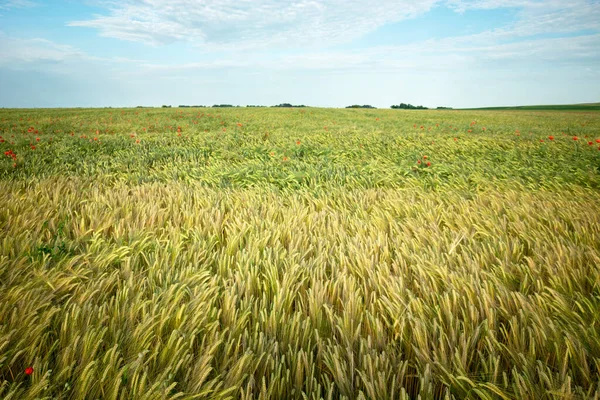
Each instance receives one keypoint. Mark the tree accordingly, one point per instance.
(288, 105)
(364, 106)
(404, 106)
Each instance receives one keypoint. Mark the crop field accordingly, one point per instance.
(301, 253)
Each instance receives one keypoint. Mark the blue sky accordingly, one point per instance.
(329, 53)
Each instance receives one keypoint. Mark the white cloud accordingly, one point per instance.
(464, 5)
(218, 24)
(8, 4)
(427, 57)
(537, 16)
(235, 25)
(17, 50)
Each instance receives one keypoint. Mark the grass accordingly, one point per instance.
(305, 253)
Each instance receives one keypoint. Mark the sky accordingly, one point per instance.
(322, 53)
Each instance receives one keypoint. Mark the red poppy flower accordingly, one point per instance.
(542, 140)
(37, 139)
(28, 370)
(551, 137)
(597, 140)
(590, 143)
(428, 164)
(425, 157)
(575, 138)
(418, 161)
(297, 142)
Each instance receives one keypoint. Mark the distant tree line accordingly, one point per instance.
(288, 105)
(404, 106)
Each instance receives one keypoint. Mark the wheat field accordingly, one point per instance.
(299, 254)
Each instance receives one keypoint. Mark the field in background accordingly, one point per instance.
(553, 107)
(299, 253)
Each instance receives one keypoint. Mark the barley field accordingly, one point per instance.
(260, 253)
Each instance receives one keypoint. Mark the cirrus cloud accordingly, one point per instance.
(249, 24)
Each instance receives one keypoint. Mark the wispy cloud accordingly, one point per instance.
(448, 54)
(218, 24)
(18, 51)
(537, 17)
(9, 4)
(240, 24)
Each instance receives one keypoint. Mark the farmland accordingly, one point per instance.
(299, 253)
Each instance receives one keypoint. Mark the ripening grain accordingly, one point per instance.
(312, 253)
